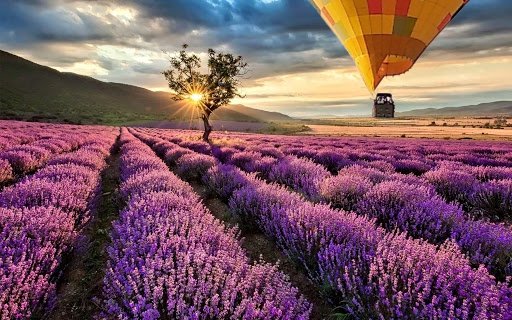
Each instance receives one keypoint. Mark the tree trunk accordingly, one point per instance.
(207, 127)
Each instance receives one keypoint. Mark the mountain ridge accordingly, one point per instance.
(30, 91)
(496, 108)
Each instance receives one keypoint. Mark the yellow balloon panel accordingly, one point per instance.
(386, 37)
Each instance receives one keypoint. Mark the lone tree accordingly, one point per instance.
(210, 91)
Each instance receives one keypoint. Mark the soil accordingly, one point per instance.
(82, 279)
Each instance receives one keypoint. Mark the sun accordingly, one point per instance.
(196, 97)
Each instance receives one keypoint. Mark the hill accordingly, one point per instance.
(491, 109)
(29, 91)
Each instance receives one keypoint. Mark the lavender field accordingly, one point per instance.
(139, 223)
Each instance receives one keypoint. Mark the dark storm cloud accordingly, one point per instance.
(252, 27)
(293, 25)
(282, 36)
(278, 16)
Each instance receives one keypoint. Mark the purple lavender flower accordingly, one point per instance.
(245, 160)
(493, 200)
(82, 158)
(31, 244)
(299, 228)
(223, 153)
(223, 180)
(26, 158)
(197, 146)
(40, 217)
(270, 152)
(372, 174)
(170, 257)
(344, 191)
(452, 185)
(414, 166)
(6, 173)
(486, 244)
(300, 174)
(194, 166)
(380, 165)
(379, 274)
(332, 160)
(412, 279)
(143, 182)
(171, 156)
(487, 173)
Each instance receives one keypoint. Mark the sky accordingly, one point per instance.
(296, 65)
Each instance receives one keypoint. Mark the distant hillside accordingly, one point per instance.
(259, 114)
(34, 92)
(491, 109)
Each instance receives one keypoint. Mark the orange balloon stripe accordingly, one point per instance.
(445, 22)
(327, 15)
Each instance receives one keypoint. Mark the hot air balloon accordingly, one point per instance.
(386, 37)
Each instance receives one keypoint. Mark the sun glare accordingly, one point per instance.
(196, 97)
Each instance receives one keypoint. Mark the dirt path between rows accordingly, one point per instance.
(83, 276)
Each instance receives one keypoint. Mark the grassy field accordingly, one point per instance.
(271, 127)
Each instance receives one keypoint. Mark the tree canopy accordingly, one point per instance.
(210, 90)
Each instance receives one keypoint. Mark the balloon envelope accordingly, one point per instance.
(386, 37)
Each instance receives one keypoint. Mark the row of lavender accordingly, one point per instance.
(460, 172)
(42, 215)
(374, 273)
(170, 258)
(477, 175)
(32, 145)
(13, 133)
(473, 153)
(16, 133)
(408, 202)
(395, 200)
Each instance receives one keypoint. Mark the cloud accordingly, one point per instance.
(268, 33)
(125, 41)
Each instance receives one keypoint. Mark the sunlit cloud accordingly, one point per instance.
(296, 65)
(87, 67)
